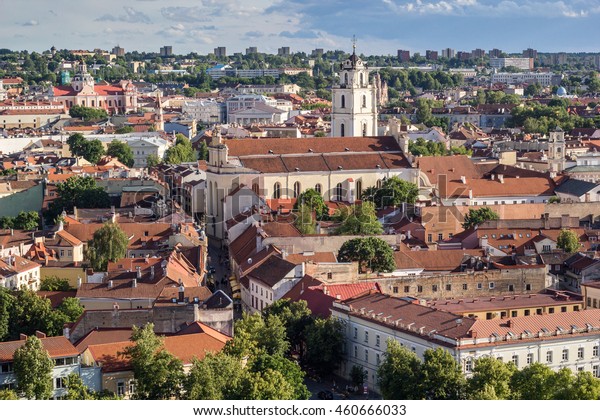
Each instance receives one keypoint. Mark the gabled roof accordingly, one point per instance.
(272, 271)
(55, 346)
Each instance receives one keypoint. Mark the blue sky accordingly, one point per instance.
(381, 26)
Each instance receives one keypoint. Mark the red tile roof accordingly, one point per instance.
(55, 346)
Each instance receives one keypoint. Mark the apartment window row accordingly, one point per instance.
(64, 361)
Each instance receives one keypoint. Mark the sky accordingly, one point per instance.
(380, 26)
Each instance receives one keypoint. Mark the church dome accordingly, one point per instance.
(561, 91)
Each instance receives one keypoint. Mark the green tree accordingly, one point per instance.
(75, 142)
(534, 89)
(441, 376)
(295, 316)
(358, 219)
(491, 379)
(314, 201)
(109, 244)
(152, 161)
(55, 283)
(533, 382)
(398, 374)
(29, 313)
(86, 113)
(291, 372)
(567, 241)
(267, 385)
(27, 220)
(92, 151)
(583, 387)
(121, 151)
(305, 222)
(6, 303)
(71, 308)
(478, 216)
(216, 377)
(7, 222)
(182, 151)
(33, 370)
(126, 129)
(324, 342)
(371, 252)
(256, 334)
(393, 192)
(202, 151)
(8, 394)
(158, 374)
(593, 84)
(76, 390)
(423, 113)
(358, 376)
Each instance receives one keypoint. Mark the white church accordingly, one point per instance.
(339, 167)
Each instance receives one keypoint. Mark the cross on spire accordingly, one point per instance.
(353, 44)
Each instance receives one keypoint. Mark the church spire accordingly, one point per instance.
(353, 44)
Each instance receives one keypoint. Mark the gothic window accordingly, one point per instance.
(277, 190)
(343, 101)
(338, 192)
(364, 102)
(342, 131)
(318, 188)
(296, 189)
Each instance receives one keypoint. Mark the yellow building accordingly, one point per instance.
(591, 294)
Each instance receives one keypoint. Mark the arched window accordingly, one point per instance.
(343, 101)
(361, 80)
(346, 78)
(342, 130)
(358, 189)
(296, 189)
(277, 190)
(378, 183)
(364, 130)
(364, 102)
(338, 192)
(318, 188)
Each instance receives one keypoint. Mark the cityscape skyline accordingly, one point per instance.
(382, 27)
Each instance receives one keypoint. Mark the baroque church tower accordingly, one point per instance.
(354, 109)
(556, 152)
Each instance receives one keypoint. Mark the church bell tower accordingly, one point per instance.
(354, 108)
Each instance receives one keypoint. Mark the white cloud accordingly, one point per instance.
(31, 22)
(131, 16)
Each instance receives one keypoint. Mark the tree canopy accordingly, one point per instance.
(79, 192)
(121, 151)
(87, 113)
(398, 374)
(26, 220)
(476, 217)
(182, 151)
(568, 241)
(90, 150)
(109, 244)
(373, 253)
(314, 201)
(33, 370)
(393, 192)
(324, 343)
(158, 374)
(358, 219)
(305, 222)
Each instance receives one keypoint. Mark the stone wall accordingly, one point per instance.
(491, 282)
(299, 244)
(167, 319)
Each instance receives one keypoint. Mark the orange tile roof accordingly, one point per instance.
(535, 323)
(55, 346)
(314, 257)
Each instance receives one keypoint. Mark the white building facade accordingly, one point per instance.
(354, 101)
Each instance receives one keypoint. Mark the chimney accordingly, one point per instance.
(493, 176)
(139, 273)
(463, 179)
(501, 178)
(40, 334)
(408, 235)
(509, 323)
(110, 284)
(22, 337)
(134, 283)
(152, 272)
(181, 291)
(78, 282)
